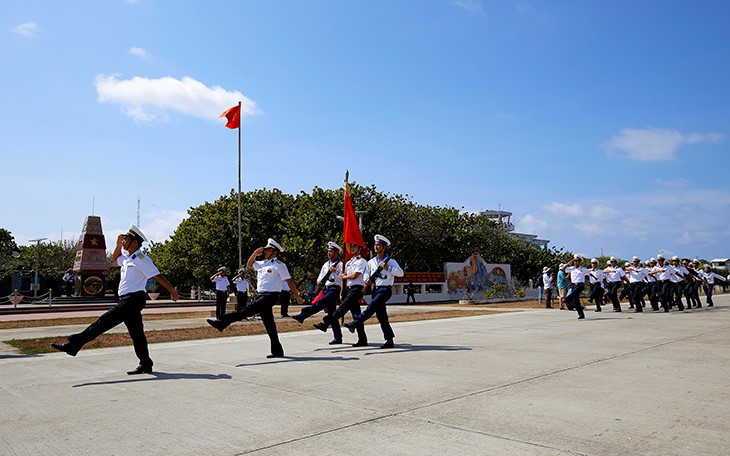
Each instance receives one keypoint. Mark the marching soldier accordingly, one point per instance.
(709, 281)
(136, 269)
(636, 274)
(221, 291)
(329, 282)
(614, 276)
(381, 272)
(596, 278)
(354, 275)
(270, 274)
(693, 289)
(577, 275)
(241, 289)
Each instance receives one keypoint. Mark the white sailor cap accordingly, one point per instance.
(696, 261)
(627, 264)
(578, 257)
(241, 270)
(545, 269)
(635, 259)
(675, 258)
(380, 239)
(333, 246)
(652, 259)
(707, 266)
(612, 259)
(660, 257)
(222, 269)
(594, 260)
(136, 233)
(270, 243)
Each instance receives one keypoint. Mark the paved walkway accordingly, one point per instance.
(526, 383)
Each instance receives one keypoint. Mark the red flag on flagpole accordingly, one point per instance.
(234, 117)
(351, 234)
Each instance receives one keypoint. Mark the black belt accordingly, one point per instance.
(133, 293)
(270, 292)
(383, 286)
(332, 287)
(356, 286)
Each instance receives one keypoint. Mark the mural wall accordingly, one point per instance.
(476, 279)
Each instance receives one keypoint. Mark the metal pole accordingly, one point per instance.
(36, 283)
(240, 252)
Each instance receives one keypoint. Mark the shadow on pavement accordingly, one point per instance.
(155, 376)
(405, 348)
(18, 356)
(290, 359)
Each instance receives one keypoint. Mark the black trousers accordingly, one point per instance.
(612, 293)
(284, 298)
(328, 303)
(350, 303)
(636, 295)
(241, 300)
(572, 301)
(262, 305)
(380, 298)
(220, 303)
(597, 294)
(127, 311)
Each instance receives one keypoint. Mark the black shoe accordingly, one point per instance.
(388, 344)
(275, 355)
(350, 326)
(217, 324)
(709, 305)
(299, 318)
(360, 344)
(581, 317)
(335, 342)
(321, 326)
(67, 347)
(598, 310)
(141, 370)
(639, 310)
(284, 315)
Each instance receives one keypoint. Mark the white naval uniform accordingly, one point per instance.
(136, 269)
(335, 278)
(271, 275)
(356, 264)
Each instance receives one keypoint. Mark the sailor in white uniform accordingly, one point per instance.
(136, 268)
(381, 272)
(270, 274)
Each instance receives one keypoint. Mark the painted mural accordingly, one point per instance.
(476, 279)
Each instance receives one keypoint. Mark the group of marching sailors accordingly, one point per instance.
(340, 289)
(658, 281)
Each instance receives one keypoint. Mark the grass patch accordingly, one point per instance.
(246, 328)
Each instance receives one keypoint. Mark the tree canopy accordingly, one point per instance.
(424, 237)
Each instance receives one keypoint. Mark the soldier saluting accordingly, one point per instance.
(271, 273)
(136, 269)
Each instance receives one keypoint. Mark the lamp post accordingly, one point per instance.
(36, 282)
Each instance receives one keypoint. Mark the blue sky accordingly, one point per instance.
(603, 126)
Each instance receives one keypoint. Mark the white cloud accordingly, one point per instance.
(590, 229)
(531, 224)
(603, 212)
(654, 144)
(474, 6)
(572, 210)
(26, 29)
(672, 183)
(139, 52)
(146, 100)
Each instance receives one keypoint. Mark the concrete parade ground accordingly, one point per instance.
(535, 382)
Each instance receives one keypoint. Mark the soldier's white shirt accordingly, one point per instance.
(614, 274)
(136, 269)
(710, 277)
(334, 278)
(673, 276)
(270, 275)
(679, 270)
(387, 276)
(241, 284)
(356, 264)
(637, 274)
(221, 283)
(595, 275)
(577, 273)
(664, 273)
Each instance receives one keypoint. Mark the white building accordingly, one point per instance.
(722, 263)
(503, 218)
